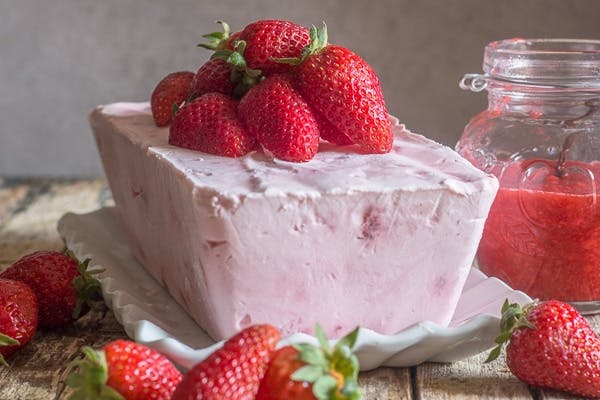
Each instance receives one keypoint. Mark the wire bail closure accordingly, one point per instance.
(474, 82)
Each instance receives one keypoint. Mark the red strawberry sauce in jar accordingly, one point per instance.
(540, 135)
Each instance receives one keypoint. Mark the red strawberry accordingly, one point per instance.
(234, 371)
(329, 132)
(307, 372)
(552, 346)
(171, 91)
(127, 369)
(342, 87)
(63, 287)
(213, 76)
(210, 124)
(284, 124)
(278, 384)
(18, 316)
(267, 40)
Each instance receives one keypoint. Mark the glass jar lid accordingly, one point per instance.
(571, 64)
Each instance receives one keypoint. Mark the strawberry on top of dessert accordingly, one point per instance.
(327, 92)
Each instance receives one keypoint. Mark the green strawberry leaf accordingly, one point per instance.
(312, 355)
(350, 389)
(334, 372)
(322, 35)
(240, 46)
(6, 340)
(318, 41)
(175, 108)
(503, 337)
(243, 76)
(89, 290)
(320, 334)
(222, 54)
(308, 373)
(346, 364)
(237, 61)
(324, 388)
(494, 354)
(216, 40)
(213, 35)
(89, 379)
(514, 317)
(349, 340)
(255, 74)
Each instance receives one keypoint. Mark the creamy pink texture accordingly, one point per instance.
(347, 239)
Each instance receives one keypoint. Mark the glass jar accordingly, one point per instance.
(540, 136)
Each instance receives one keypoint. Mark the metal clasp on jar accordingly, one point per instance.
(474, 82)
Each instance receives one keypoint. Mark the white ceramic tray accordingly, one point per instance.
(150, 316)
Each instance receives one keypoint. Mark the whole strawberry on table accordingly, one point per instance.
(550, 345)
(122, 370)
(247, 367)
(18, 317)
(64, 287)
(44, 289)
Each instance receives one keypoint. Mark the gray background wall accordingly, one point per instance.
(59, 58)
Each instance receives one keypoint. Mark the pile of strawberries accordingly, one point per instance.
(550, 345)
(275, 85)
(45, 289)
(247, 367)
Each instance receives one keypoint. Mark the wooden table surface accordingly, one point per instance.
(29, 211)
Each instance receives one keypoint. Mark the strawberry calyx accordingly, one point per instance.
(86, 284)
(6, 340)
(318, 41)
(333, 372)
(217, 40)
(89, 381)
(514, 317)
(243, 76)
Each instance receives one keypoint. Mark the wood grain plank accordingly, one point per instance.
(469, 379)
(10, 197)
(13, 195)
(33, 225)
(386, 384)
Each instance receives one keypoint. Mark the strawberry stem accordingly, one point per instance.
(318, 41)
(217, 40)
(89, 381)
(333, 372)
(243, 76)
(514, 317)
(89, 290)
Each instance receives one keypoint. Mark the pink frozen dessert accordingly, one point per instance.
(380, 241)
